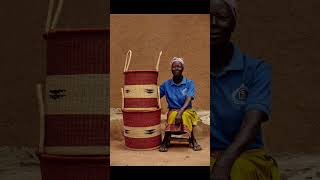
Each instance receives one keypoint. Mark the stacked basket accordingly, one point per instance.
(141, 107)
(74, 127)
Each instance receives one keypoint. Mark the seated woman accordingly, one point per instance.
(240, 104)
(179, 92)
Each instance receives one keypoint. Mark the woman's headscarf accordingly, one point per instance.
(176, 59)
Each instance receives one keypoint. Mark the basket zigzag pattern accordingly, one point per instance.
(76, 93)
(74, 118)
(141, 108)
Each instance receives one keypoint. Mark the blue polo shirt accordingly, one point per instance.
(243, 85)
(176, 94)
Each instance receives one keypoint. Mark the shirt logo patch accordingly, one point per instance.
(240, 95)
(184, 91)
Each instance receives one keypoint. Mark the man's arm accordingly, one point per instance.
(162, 90)
(186, 103)
(257, 111)
(189, 98)
(182, 109)
(248, 130)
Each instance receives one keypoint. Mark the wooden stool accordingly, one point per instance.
(179, 138)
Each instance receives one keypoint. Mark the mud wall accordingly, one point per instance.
(184, 36)
(285, 34)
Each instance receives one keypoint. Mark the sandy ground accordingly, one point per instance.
(299, 166)
(22, 164)
(19, 163)
(177, 155)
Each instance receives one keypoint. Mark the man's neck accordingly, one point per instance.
(221, 57)
(177, 79)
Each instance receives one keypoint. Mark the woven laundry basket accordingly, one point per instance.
(75, 109)
(141, 108)
(74, 105)
(77, 93)
(142, 129)
(140, 86)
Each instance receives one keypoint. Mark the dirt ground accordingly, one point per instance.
(21, 163)
(177, 155)
(299, 166)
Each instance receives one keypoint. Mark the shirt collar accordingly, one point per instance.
(236, 63)
(184, 81)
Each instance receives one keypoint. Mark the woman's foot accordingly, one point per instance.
(165, 142)
(194, 145)
(163, 147)
(190, 143)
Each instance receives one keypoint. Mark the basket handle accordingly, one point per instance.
(158, 62)
(159, 101)
(122, 97)
(51, 23)
(42, 116)
(127, 62)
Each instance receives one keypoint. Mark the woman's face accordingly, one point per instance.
(222, 22)
(176, 68)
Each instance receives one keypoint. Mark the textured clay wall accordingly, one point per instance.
(285, 34)
(184, 36)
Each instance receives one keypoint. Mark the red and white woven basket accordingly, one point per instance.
(141, 108)
(142, 129)
(74, 111)
(140, 86)
(77, 93)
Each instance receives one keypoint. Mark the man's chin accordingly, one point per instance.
(218, 43)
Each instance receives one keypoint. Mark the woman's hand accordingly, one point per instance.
(220, 173)
(221, 170)
(178, 119)
(248, 130)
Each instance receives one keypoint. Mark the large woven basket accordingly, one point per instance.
(75, 109)
(74, 167)
(77, 51)
(140, 86)
(77, 93)
(142, 129)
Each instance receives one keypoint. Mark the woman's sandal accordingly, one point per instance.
(195, 146)
(190, 143)
(163, 147)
